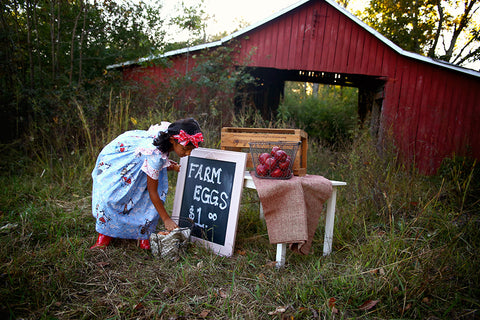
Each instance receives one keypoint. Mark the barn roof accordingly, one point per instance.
(241, 32)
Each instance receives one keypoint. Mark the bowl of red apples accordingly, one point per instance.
(273, 160)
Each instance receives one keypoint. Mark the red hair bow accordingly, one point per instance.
(183, 138)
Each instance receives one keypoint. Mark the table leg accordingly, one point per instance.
(281, 252)
(329, 222)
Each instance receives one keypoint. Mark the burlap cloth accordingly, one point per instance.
(292, 208)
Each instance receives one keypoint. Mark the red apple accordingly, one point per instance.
(277, 173)
(284, 165)
(270, 164)
(261, 170)
(280, 155)
(274, 149)
(264, 156)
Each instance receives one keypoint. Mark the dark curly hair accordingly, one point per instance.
(162, 141)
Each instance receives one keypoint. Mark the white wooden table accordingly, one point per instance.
(329, 220)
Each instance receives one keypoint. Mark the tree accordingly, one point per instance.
(343, 3)
(54, 48)
(441, 29)
(194, 20)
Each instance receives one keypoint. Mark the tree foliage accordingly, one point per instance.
(209, 88)
(443, 29)
(53, 48)
(193, 19)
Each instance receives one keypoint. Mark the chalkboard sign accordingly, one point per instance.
(207, 197)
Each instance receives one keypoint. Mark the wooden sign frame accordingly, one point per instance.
(238, 159)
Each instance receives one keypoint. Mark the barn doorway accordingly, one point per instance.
(267, 92)
(324, 111)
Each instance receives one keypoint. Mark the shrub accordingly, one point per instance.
(331, 117)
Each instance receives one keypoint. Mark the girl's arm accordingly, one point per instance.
(152, 186)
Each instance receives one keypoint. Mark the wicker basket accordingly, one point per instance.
(170, 245)
(269, 163)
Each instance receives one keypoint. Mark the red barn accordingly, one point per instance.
(428, 107)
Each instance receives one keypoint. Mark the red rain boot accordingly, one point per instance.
(145, 244)
(102, 241)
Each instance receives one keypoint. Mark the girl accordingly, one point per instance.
(130, 180)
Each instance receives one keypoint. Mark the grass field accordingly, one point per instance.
(405, 247)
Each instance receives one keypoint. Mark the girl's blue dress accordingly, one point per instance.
(120, 199)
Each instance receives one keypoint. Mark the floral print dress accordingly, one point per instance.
(120, 199)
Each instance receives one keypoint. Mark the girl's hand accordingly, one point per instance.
(173, 166)
(170, 225)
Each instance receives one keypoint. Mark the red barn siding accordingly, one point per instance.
(320, 35)
(425, 115)
(357, 49)
(431, 110)
(315, 37)
(345, 35)
(331, 41)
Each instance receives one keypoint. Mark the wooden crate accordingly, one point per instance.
(237, 139)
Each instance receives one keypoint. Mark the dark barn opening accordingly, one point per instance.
(268, 90)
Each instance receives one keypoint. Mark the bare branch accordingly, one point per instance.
(72, 45)
(459, 29)
(441, 17)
